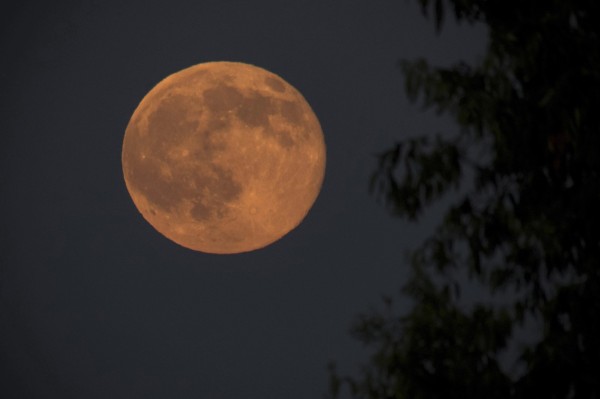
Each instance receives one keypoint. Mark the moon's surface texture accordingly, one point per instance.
(223, 157)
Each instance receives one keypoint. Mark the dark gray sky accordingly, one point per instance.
(96, 304)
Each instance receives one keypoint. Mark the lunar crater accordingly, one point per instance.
(275, 84)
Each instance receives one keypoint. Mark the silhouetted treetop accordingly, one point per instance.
(524, 167)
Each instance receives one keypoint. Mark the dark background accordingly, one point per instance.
(96, 304)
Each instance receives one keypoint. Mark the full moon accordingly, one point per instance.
(223, 157)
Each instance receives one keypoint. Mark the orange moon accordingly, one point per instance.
(223, 157)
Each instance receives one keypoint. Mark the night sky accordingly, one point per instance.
(94, 303)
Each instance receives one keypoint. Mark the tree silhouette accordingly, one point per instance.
(525, 225)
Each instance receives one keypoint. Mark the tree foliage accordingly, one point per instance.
(527, 224)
